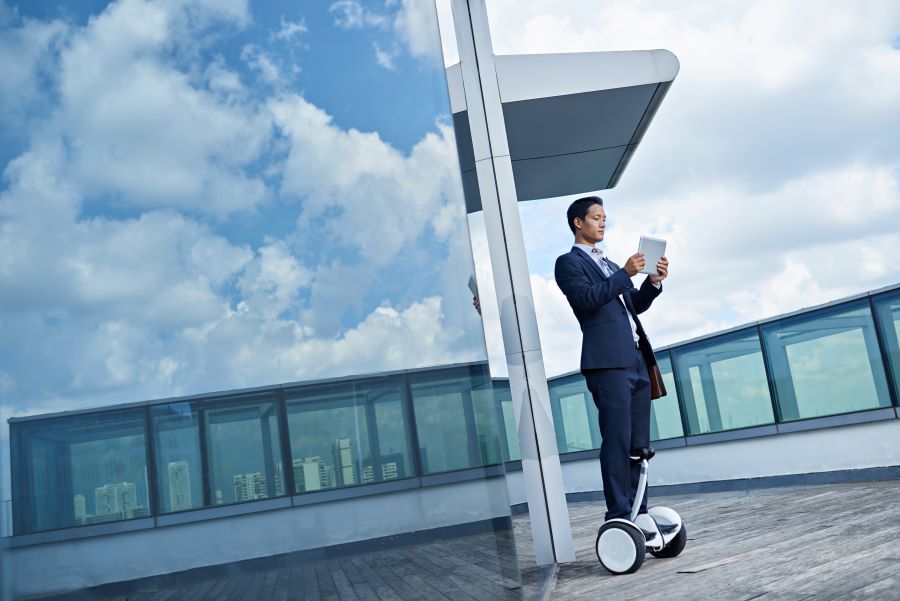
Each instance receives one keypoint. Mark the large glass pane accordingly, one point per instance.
(393, 458)
(176, 442)
(79, 470)
(827, 362)
(665, 416)
(574, 414)
(243, 450)
(348, 433)
(262, 199)
(724, 383)
(445, 418)
(887, 311)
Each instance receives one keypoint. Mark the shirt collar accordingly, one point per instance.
(587, 248)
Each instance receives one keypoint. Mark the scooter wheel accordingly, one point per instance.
(675, 547)
(620, 547)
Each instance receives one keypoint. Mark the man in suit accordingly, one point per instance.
(615, 351)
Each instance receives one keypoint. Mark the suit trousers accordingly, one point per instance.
(622, 397)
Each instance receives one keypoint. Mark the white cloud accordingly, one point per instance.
(736, 256)
(815, 100)
(392, 197)
(351, 14)
(262, 63)
(125, 99)
(413, 23)
(222, 80)
(271, 283)
(416, 24)
(385, 58)
(291, 29)
(26, 55)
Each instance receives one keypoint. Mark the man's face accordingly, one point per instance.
(593, 226)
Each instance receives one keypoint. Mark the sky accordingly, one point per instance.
(771, 168)
(200, 195)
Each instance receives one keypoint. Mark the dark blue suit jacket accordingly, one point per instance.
(607, 341)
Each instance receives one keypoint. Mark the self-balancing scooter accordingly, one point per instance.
(622, 543)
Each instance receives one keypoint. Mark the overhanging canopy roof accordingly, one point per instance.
(573, 121)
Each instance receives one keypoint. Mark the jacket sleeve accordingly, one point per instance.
(643, 298)
(583, 293)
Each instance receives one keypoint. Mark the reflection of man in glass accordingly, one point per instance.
(615, 350)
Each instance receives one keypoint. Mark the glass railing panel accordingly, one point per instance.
(175, 428)
(446, 425)
(826, 362)
(665, 415)
(80, 470)
(348, 433)
(887, 311)
(574, 415)
(243, 450)
(723, 380)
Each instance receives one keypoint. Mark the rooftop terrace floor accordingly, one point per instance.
(813, 542)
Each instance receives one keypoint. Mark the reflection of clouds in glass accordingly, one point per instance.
(413, 23)
(832, 374)
(165, 300)
(742, 391)
(172, 177)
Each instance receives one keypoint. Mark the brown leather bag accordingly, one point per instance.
(657, 386)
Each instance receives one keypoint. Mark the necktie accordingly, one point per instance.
(604, 266)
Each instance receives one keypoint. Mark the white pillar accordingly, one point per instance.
(544, 488)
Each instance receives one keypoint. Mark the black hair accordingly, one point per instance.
(579, 209)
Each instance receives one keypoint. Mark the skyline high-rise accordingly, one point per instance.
(179, 486)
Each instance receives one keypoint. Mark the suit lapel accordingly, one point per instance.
(587, 258)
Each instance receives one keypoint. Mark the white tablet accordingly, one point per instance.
(653, 249)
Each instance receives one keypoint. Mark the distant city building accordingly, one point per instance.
(179, 486)
(388, 472)
(80, 509)
(279, 479)
(343, 462)
(248, 487)
(310, 474)
(115, 501)
(330, 477)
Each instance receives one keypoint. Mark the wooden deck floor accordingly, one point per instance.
(811, 543)
(478, 567)
(816, 543)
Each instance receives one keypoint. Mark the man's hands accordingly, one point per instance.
(662, 267)
(634, 264)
